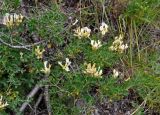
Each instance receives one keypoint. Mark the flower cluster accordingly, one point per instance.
(92, 70)
(103, 28)
(21, 55)
(46, 69)
(39, 53)
(95, 44)
(116, 73)
(66, 65)
(118, 44)
(82, 32)
(2, 104)
(85, 31)
(11, 20)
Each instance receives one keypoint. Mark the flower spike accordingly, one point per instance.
(46, 69)
(103, 28)
(66, 65)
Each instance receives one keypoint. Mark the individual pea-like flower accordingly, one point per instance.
(92, 70)
(118, 40)
(98, 73)
(78, 32)
(118, 44)
(123, 47)
(115, 73)
(2, 104)
(66, 65)
(39, 53)
(103, 28)
(19, 18)
(8, 20)
(85, 31)
(82, 32)
(112, 48)
(120, 37)
(47, 68)
(95, 44)
(11, 20)
(76, 21)
(21, 55)
(127, 79)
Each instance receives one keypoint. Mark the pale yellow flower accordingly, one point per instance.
(103, 28)
(46, 69)
(39, 53)
(19, 19)
(2, 104)
(95, 44)
(21, 55)
(11, 20)
(115, 45)
(66, 65)
(92, 70)
(127, 79)
(8, 20)
(85, 31)
(82, 32)
(112, 48)
(122, 48)
(118, 44)
(98, 73)
(78, 32)
(115, 73)
(120, 37)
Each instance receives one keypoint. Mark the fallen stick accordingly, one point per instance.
(47, 97)
(19, 47)
(37, 103)
(29, 96)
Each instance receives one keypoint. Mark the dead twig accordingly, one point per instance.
(19, 47)
(142, 104)
(29, 96)
(37, 103)
(47, 97)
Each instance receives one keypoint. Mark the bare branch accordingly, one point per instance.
(19, 47)
(47, 97)
(37, 103)
(29, 96)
